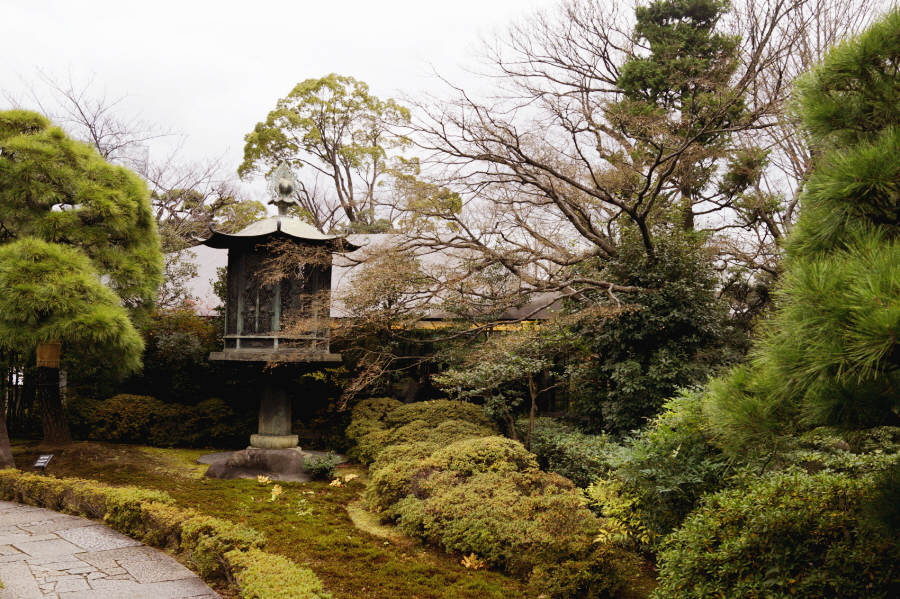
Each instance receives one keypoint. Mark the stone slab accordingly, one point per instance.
(178, 589)
(277, 464)
(27, 515)
(108, 561)
(97, 538)
(158, 570)
(18, 582)
(48, 548)
(75, 558)
(56, 524)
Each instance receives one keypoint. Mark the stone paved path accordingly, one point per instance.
(47, 555)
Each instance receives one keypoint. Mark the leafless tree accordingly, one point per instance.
(555, 167)
(90, 114)
(188, 195)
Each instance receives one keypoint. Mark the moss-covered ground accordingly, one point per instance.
(314, 524)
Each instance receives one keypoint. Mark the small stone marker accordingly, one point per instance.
(42, 462)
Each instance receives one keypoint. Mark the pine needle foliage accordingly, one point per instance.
(62, 191)
(50, 291)
(78, 246)
(831, 356)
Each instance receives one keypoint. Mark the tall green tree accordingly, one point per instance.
(677, 334)
(80, 245)
(340, 131)
(831, 355)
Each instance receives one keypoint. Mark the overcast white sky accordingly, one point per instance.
(214, 69)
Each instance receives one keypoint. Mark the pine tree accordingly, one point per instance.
(831, 356)
(78, 244)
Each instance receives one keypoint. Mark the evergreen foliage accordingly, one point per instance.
(675, 336)
(677, 332)
(484, 495)
(50, 291)
(787, 535)
(62, 191)
(831, 355)
(69, 220)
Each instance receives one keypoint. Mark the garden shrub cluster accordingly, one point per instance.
(142, 419)
(441, 473)
(564, 449)
(790, 534)
(658, 475)
(217, 550)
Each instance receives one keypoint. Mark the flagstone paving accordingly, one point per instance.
(47, 555)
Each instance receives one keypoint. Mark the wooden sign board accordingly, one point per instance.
(42, 461)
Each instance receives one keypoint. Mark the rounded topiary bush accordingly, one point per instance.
(368, 446)
(392, 483)
(416, 450)
(375, 408)
(436, 412)
(591, 571)
(485, 454)
(451, 431)
(362, 427)
(788, 535)
(417, 430)
(513, 520)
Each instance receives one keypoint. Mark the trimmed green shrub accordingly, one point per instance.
(513, 520)
(594, 571)
(265, 576)
(485, 454)
(125, 418)
(788, 535)
(375, 409)
(118, 505)
(143, 419)
(362, 427)
(392, 483)
(206, 541)
(441, 472)
(441, 422)
(417, 430)
(436, 412)
(368, 445)
(404, 452)
(567, 451)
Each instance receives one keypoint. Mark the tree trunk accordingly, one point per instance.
(6, 389)
(56, 428)
(6, 456)
(533, 392)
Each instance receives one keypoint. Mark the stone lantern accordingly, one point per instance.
(258, 305)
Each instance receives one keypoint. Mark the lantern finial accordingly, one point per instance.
(281, 184)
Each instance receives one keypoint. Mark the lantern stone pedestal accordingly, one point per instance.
(257, 305)
(274, 417)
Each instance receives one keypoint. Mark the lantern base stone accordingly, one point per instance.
(274, 441)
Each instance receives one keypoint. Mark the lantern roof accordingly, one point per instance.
(270, 228)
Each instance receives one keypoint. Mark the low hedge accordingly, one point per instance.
(218, 550)
(262, 575)
(146, 420)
